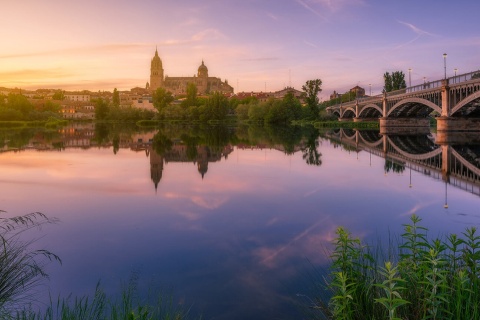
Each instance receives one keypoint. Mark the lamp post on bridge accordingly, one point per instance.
(445, 65)
(455, 79)
(409, 77)
(370, 85)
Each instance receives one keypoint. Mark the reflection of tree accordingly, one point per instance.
(116, 143)
(310, 150)
(16, 138)
(287, 136)
(161, 143)
(191, 144)
(393, 166)
(101, 133)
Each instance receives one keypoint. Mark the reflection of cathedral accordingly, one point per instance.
(178, 85)
(179, 153)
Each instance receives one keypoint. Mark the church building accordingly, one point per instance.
(178, 85)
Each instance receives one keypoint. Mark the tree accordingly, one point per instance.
(216, 107)
(191, 99)
(59, 95)
(101, 109)
(19, 102)
(162, 99)
(394, 81)
(311, 90)
(116, 98)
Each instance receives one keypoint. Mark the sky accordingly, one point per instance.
(256, 45)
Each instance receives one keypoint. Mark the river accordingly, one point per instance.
(233, 220)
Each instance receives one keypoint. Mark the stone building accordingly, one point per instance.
(178, 85)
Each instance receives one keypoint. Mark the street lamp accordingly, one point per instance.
(446, 203)
(409, 78)
(370, 85)
(445, 65)
(455, 79)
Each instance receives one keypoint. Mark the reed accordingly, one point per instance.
(414, 278)
(21, 267)
(100, 307)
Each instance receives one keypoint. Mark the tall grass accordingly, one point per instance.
(21, 268)
(418, 278)
(99, 307)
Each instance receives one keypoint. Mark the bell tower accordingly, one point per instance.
(156, 72)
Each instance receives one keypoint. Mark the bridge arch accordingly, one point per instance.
(349, 113)
(465, 101)
(370, 106)
(424, 102)
(423, 156)
(466, 163)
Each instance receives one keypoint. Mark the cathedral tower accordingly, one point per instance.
(156, 72)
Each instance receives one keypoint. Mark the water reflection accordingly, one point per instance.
(227, 214)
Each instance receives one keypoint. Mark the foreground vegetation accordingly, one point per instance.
(422, 278)
(22, 270)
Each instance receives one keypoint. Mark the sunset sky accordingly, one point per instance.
(254, 44)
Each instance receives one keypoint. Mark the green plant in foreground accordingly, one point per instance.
(21, 268)
(391, 287)
(422, 279)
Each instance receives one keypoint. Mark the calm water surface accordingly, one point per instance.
(231, 218)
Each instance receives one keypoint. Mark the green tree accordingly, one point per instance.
(116, 98)
(394, 81)
(311, 90)
(162, 99)
(191, 99)
(101, 109)
(59, 95)
(216, 107)
(20, 103)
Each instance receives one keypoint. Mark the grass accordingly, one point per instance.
(99, 307)
(420, 278)
(22, 270)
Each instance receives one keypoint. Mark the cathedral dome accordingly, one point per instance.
(203, 70)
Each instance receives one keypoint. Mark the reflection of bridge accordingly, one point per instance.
(456, 164)
(455, 100)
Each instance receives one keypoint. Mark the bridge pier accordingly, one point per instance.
(399, 125)
(457, 137)
(458, 124)
(365, 119)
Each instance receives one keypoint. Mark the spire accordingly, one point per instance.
(156, 51)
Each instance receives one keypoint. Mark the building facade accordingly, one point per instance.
(178, 85)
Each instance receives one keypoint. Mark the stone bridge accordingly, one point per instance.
(454, 102)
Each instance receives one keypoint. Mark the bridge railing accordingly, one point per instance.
(438, 84)
(425, 86)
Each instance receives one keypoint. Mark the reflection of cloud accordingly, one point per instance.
(210, 202)
(269, 255)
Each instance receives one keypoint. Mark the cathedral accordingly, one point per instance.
(178, 85)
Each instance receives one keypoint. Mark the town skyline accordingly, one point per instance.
(254, 45)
